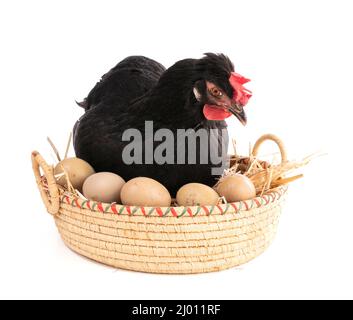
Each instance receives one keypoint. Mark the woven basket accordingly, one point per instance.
(163, 240)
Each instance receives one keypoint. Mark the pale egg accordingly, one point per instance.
(196, 194)
(143, 191)
(77, 170)
(236, 188)
(103, 187)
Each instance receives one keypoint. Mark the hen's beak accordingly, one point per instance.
(238, 111)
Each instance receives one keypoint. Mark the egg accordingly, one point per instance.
(143, 191)
(103, 187)
(196, 194)
(236, 188)
(77, 169)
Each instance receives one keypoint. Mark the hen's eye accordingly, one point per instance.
(216, 92)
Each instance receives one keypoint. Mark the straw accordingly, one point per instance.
(54, 149)
(68, 146)
(265, 175)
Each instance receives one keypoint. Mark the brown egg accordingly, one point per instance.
(145, 192)
(77, 169)
(196, 194)
(103, 187)
(236, 188)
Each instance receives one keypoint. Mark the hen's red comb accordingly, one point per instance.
(241, 94)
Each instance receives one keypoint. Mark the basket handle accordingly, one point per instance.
(53, 203)
(273, 138)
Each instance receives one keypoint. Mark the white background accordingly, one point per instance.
(299, 57)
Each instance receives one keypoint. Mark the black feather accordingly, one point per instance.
(129, 79)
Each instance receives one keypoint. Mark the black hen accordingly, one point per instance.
(193, 94)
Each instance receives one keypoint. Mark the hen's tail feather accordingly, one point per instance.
(83, 104)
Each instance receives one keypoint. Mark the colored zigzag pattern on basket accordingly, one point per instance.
(177, 212)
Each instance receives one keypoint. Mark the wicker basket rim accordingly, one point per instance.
(177, 211)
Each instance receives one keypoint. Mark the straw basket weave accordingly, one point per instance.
(162, 240)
